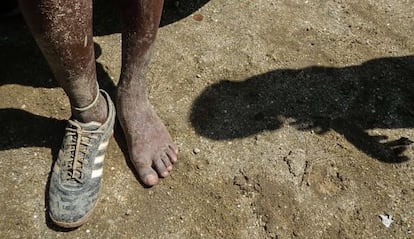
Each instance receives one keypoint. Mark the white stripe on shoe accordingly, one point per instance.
(99, 159)
(103, 145)
(97, 173)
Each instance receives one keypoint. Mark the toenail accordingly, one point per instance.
(150, 180)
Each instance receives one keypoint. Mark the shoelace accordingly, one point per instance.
(80, 144)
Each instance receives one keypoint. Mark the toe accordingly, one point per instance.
(160, 167)
(148, 176)
(167, 163)
(172, 152)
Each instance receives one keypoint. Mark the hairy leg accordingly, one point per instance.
(150, 146)
(63, 31)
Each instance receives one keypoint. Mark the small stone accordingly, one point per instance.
(23, 106)
(196, 150)
(386, 220)
(88, 231)
(198, 76)
(128, 212)
(198, 17)
(110, 221)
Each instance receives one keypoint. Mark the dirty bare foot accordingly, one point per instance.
(150, 146)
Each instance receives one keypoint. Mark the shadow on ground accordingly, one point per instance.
(24, 129)
(350, 100)
(106, 14)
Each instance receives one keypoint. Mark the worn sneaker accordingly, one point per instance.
(76, 175)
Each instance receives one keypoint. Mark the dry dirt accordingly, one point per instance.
(294, 119)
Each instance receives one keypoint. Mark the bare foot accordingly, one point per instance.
(150, 146)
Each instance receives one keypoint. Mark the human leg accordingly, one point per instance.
(63, 31)
(150, 146)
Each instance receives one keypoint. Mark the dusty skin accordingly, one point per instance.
(294, 119)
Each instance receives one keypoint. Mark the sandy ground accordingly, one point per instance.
(294, 119)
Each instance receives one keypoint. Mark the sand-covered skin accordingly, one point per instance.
(292, 118)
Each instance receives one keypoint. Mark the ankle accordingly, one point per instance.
(126, 94)
(98, 112)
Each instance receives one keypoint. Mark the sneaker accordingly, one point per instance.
(77, 173)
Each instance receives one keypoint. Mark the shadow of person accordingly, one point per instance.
(350, 100)
(24, 129)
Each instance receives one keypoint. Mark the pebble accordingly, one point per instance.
(128, 212)
(386, 220)
(198, 17)
(110, 221)
(196, 150)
